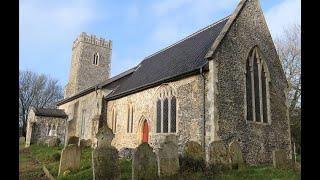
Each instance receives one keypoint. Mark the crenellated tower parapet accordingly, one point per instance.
(92, 39)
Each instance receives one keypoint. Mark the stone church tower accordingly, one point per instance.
(90, 63)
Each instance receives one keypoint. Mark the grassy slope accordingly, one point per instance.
(29, 168)
(47, 156)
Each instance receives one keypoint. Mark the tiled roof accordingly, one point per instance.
(110, 83)
(181, 58)
(50, 112)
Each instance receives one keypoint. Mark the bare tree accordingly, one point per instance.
(289, 50)
(38, 91)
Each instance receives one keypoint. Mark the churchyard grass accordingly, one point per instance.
(29, 168)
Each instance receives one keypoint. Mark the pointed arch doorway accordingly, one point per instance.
(145, 131)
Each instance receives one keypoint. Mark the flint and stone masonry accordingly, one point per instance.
(205, 73)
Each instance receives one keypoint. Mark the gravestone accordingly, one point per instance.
(193, 157)
(219, 158)
(168, 157)
(144, 163)
(70, 158)
(73, 140)
(52, 141)
(42, 140)
(85, 143)
(280, 159)
(236, 155)
(22, 139)
(105, 160)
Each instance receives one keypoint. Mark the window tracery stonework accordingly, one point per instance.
(166, 110)
(257, 98)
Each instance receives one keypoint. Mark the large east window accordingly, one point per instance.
(257, 88)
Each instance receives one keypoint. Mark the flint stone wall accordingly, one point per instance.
(38, 127)
(228, 68)
(92, 105)
(188, 116)
(83, 73)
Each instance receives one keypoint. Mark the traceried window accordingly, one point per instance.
(166, 110)
(257, 88)
(96, 59)
(130, 119)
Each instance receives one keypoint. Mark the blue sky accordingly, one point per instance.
(137, 28)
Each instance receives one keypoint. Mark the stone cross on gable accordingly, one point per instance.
(104, 136)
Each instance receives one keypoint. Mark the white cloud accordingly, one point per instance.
(283, 15)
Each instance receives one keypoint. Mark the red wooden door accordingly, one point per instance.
(145, 132)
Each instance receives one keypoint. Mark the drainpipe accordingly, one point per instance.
(203, 108)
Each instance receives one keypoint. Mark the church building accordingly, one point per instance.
(223, 82)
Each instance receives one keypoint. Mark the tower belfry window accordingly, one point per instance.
(96, 59)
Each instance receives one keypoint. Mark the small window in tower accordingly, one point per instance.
(96, 59)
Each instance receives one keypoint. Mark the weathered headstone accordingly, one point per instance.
(280, 159)
(70, 158)
(219, 158)
(22, 140)
(126, 153)
(52, 141)
(168, 157)
(144, 163)
(42, 140)
(85, 143)
(73, 140)
(236, 155)
(105, 160)
(193, 157)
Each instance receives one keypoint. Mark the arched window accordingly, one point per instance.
(166, 110)
(130, 119)
(257, 92)
(173, 114)
(165, 115)
(159, 116)
(114, 121)
(96, 59)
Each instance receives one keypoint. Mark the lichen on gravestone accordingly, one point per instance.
(104, 136)
(236, 155)
(193, 158)
(168, 157)
(105, 161)
(70, 158)
(280, 159)
(219, 158)
(144, 163)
